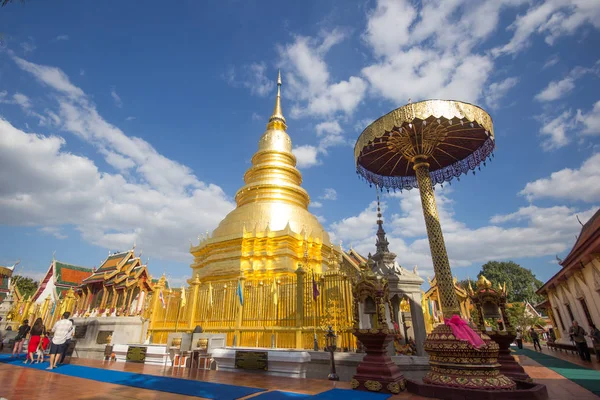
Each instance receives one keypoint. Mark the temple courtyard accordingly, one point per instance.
(563, 374)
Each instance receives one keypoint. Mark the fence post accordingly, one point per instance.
(194, 301)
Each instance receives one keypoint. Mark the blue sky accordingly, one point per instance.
(122, 123)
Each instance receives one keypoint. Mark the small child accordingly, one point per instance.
(42, 348)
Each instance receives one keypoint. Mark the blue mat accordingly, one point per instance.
(277, 395)
(346, 394)
(186, 387)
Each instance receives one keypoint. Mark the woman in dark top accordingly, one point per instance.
(20, 338)
(37, 330)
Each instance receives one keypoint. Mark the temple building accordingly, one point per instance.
(119, 287)
(59, 278)
(573, 293)
(6, 274)
(432, 307)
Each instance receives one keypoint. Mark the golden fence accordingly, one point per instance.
(50, 311)
(276, 311)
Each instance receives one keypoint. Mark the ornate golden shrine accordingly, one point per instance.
(276, 251)
(432, 306)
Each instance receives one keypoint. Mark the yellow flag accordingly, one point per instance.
(274, 291)
(210, 294)
(183, 299)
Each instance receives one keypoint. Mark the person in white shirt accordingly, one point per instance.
(62, 332)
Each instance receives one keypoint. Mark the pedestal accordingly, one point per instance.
(377, 372)
(508, 365)
(455, 363)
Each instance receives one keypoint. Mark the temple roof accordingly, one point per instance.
(587, 241)
(587, 244)
(70, 275)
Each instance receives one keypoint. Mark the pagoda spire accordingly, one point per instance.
(382, 243)
(277, 113)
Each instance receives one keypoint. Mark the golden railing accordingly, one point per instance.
(277, 311)
(50, 311)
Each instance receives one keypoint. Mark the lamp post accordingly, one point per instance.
(331, 339)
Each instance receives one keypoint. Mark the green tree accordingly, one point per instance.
(521, 283)
(521, 319)
(26, 285)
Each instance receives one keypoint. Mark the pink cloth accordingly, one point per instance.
(462, 331)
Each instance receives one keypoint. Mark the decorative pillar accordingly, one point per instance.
(240, 314)
(418, 321)
(300, 275)
(439, 255)
(194, 293)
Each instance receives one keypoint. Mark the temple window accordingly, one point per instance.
(568, 306)
(586, 311)
(560, 320)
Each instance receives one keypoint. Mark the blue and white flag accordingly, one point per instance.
(240, 293)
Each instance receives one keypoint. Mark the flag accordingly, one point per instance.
(53, 308)
(210, 294)
(315, 288)
(162, 299)
(274, 291)
(430, 308)
(183, 299)
(240, 294)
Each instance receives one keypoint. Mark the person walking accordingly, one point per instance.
(577, 334)
(62, 331)
(37, 330)
(595, 335)
(67, 343)
(519, 339)
(535, 338)
(20, 338)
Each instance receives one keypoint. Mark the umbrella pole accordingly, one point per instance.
(439, 256)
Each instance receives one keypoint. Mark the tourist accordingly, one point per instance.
(37, 330)
(45, 342)
(68, 342)
(62, 331)
(535, 338)
(577, 334)
(595, 335)
(519, 339)
(20, 338)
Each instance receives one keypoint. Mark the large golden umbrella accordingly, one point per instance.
(420, 145)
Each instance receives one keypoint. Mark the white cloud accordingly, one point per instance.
(431, 46)
(552, 19)
(568, 184)
(54, 231)
(316, 204)
(116, 97)
(306, 156)
(533, 232)
(556, 130)
(308, 78)
(158, 203)
(553, 60)
(253, 77)
(130, 118)
(62, 37)
(28, 46)
(329, 194)
(22, 100)
(590, 120)
(557, 89)
(497, 90)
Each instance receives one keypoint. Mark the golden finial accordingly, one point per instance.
(277, 113)
(483, 283)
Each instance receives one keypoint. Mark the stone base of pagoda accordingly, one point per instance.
(456, 364)
(508, 365)
(377, 372)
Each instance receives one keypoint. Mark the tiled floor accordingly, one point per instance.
(571, 357)
(26, 383)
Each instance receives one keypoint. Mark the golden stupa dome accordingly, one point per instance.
(272, 197)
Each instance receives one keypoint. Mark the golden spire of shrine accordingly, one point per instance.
(272, 196)
(277, 113)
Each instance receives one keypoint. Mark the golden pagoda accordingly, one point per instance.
(272, 253)
(271, 227)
